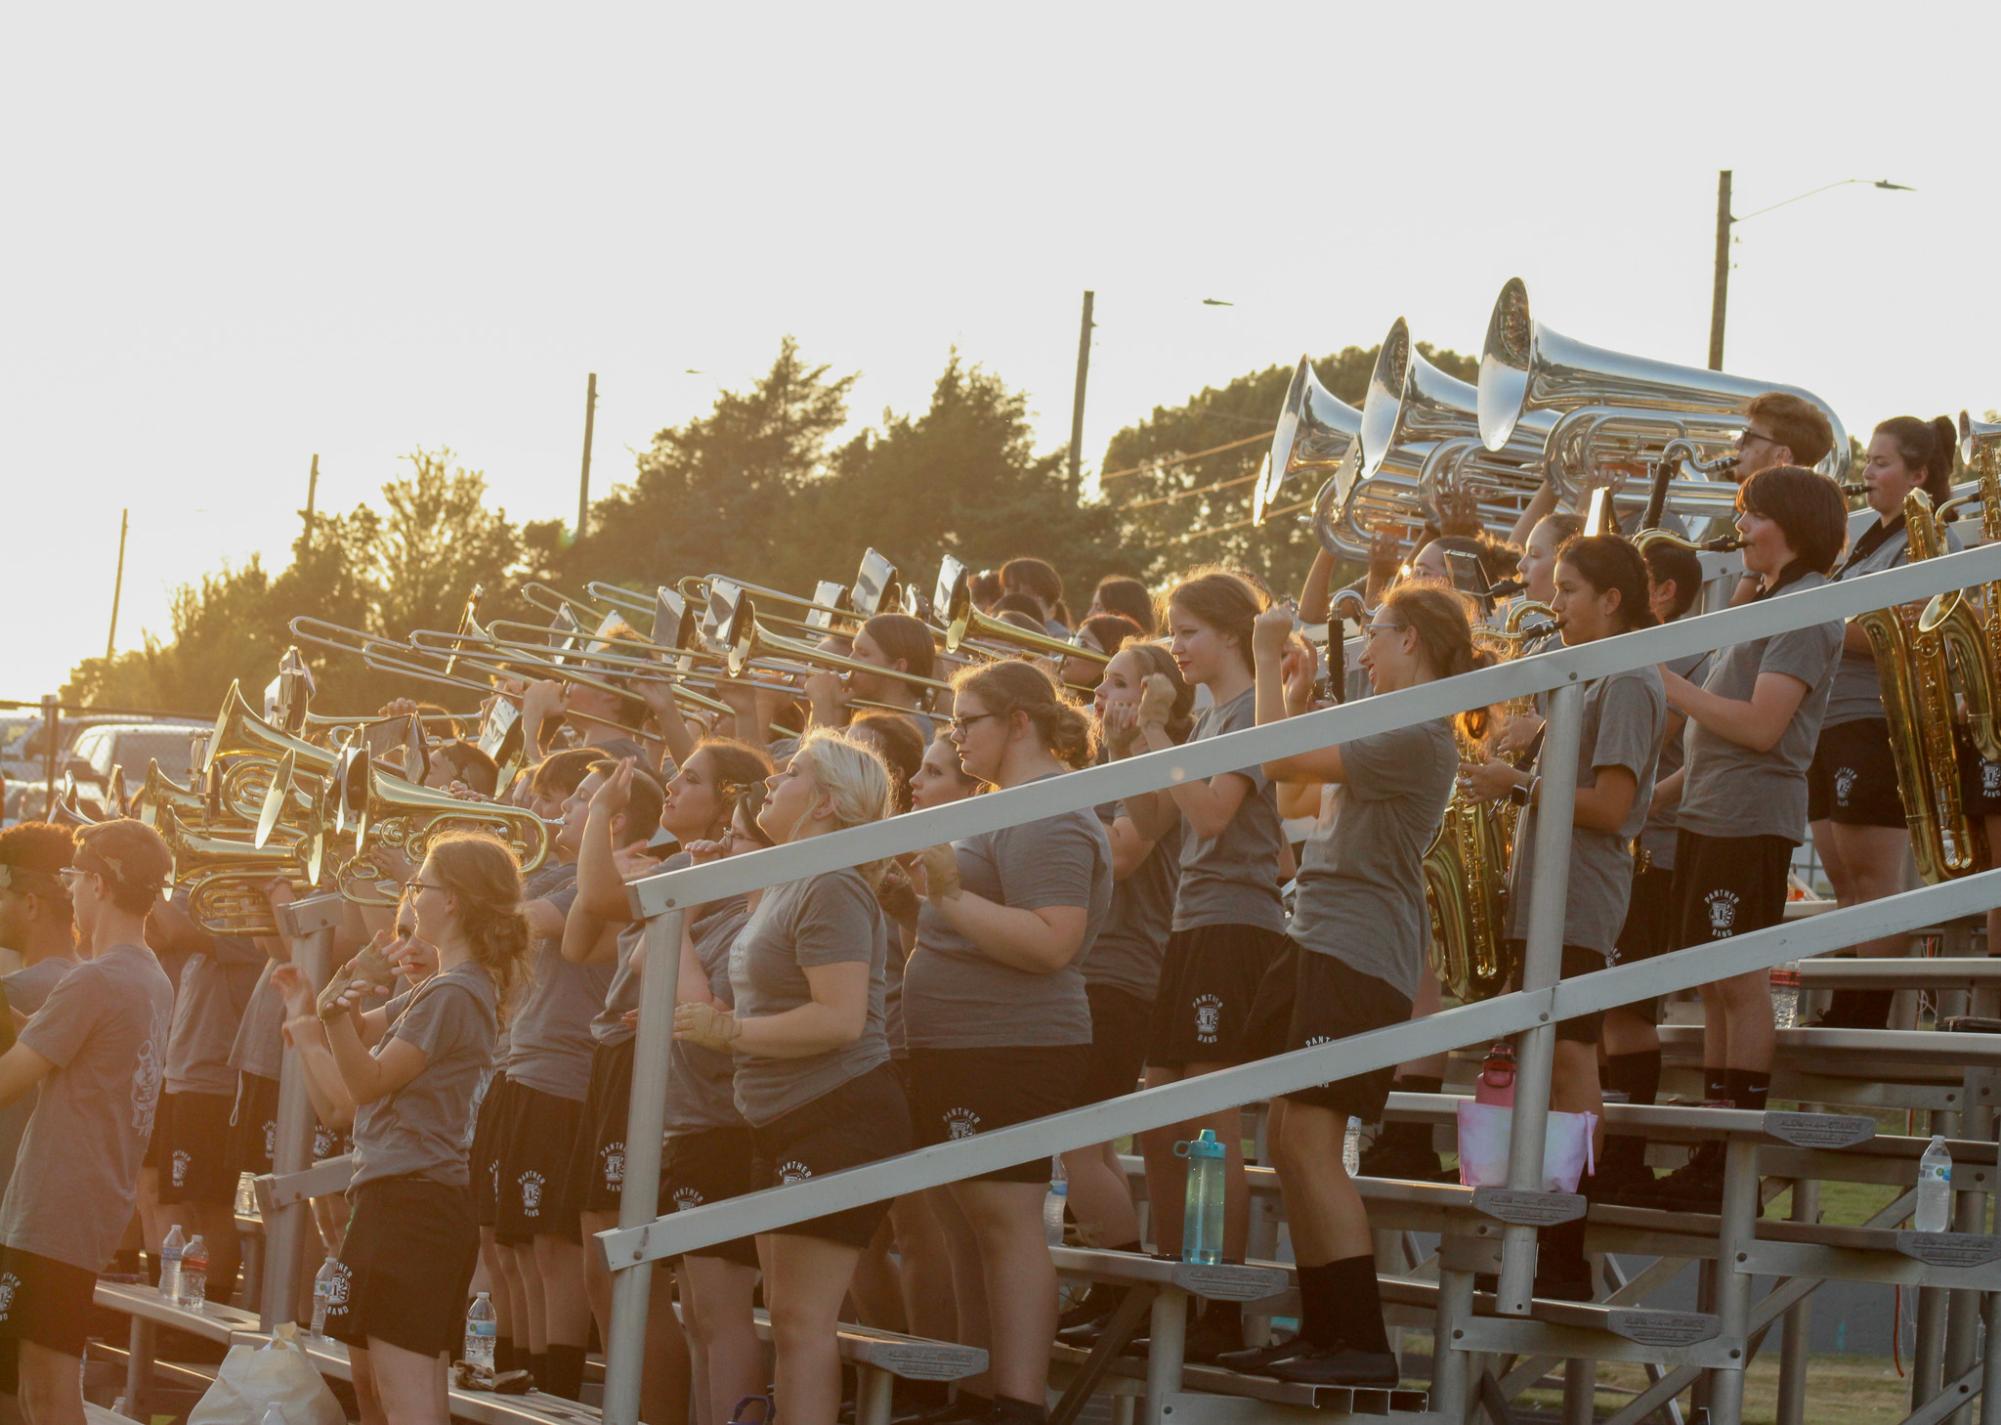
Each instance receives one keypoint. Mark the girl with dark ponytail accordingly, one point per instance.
(413, 1069)
(1853, 802)
(1352, 960)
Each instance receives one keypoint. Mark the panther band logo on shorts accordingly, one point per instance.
(9, 1284)
(1722, 913)
(325, 1140)
(1990, 779)
(1208, 1018)
(531, 1193)
(685, 1197)
(1844, 783)
(337, 1288)
(1313, 1041)
(271, 1140)
(611, 1159)
(793, 1171)
(961, 1123)
(181, 1167)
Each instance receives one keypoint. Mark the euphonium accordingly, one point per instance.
(159, 790)
(406, 817)
(224, 878)
(1911, 664)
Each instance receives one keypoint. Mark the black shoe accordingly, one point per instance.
(1400, 1158)
(1628, 1183)
(1082, 1322)
(1339, 1365)
(1212, 1337)
(1259, 1362)
(1696, 1186)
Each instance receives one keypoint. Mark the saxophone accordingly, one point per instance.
(1466, 888)
(1916, 677)
(1973, 639)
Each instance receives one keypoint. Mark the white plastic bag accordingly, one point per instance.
(1483, 1147)
(255, 1378)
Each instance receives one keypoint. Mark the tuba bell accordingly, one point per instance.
(1611, 408)
(1316, 430)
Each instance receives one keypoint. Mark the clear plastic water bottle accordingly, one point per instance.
(1786, 995)
(482, 1327)
(323, 1293)
(1202, 1208)
(1934, 1210)
(1055, 1202)
(1351, 1146)
(273, 1416)
(171, 1252)
(194, 1275)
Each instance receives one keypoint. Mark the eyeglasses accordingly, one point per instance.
(958, 725)
(1746, 436)
(424, 886)
(71, 875)
(1376, 628)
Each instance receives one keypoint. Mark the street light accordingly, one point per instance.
(1725, 220)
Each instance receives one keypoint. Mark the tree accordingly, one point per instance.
(1176, 512)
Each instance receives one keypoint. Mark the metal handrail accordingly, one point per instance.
(662, 901)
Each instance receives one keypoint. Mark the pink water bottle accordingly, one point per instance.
(1496, 1084)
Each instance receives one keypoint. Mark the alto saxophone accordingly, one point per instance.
(1466, 887)
(1916, 677)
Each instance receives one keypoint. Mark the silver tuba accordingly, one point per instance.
(1316, 430)
(1611, 408)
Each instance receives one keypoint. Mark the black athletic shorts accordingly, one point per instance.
(862, 1121)
(484, 1158)
(597, 1163)
(1307, 999)
(956, 1093)
(1853, 779)
(156, 1146)
(1728, 885)
(1208, 979)
(1652, 926)
(710, 1166)
(44, 1301)
(537, 1141)
(253, 1133)
(197, 1164)
(404, 1266)
(1584, 1028)
(1119, 1022)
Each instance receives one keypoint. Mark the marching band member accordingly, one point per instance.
(1779, 429)
(1038, 580)
(812, 1058)
(1742, 791)
(1122, 972)
(38, 934)
(1122, 594)
(1352, 962)
(413, 1069)
(1853, 802)
(92, 1054)
(1228, 923)
(896, 642)
(996, 1014)
(1098, 633)
(1600, 591)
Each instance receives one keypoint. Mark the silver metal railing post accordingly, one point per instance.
(638, 1198)
(1541, 968)
(308, 927)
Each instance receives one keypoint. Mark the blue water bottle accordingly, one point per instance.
(1202, 1210)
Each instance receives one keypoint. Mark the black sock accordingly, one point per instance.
(1357, 1304)
(1019, 1412)
(1748, 1088)
(1638, 1076)
(1715, 1085)
(538, 1367)
(566, 1370)
(1317, 1312)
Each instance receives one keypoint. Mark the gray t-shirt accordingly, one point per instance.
(549, 1033)
(1127, 953)
(104, 1028)
(1360, 895)
(956, 996)
(1657, 836)
(830, 919)
(215, 988)
(260, 1039)
(608, 1025)
(700, 1082)
(29, 986)
(424, 1129)
(1624, 715)
(1728, 790)
(1232, 878)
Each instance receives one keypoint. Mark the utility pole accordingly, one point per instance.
(584, 480)
(1077, 405)
(312, 494)
(117, 584)
(1721, 300)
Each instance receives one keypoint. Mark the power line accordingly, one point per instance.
(1191, 455)
(1196, 534)
(1179, 495)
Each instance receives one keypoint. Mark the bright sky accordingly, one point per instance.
(241, 235)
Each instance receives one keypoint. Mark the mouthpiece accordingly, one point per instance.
(1854, 487)
(1506, 589)
(1723, 543)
